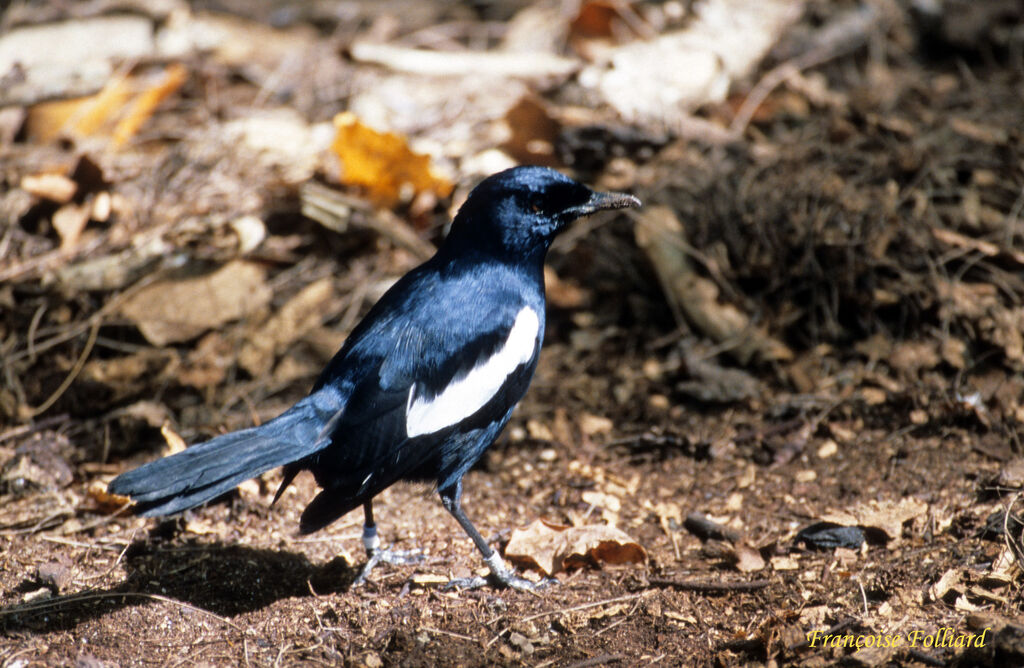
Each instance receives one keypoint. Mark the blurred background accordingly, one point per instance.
(815, 322)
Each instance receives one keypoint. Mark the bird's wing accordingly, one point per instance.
(459, 372)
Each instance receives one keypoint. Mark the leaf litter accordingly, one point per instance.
(823, 332)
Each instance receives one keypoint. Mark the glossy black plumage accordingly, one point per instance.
(400, 400)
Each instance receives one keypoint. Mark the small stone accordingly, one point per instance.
(54, 575)
(520, 642)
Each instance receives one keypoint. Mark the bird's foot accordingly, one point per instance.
(501, 577)
(393, 557)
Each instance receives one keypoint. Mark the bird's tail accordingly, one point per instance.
(207, 470)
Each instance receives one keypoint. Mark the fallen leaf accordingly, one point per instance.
(784, 563)
(659, 79)
(54, 187)
(143, 106)
(950, 581)
(694, 298)
(171, 311)
(175, 443)
(591, 424)
(553, 548)
(70, 221)
(886, 516)
(382, 164)
(299, 315)
(533, 133)
(748, 559)
(118, 111)
(106, 501)
(429, 579)
(602, 500)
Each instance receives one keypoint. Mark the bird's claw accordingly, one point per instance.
(503, 578)
(393, 557)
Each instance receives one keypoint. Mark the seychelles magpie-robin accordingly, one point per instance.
(421, 387)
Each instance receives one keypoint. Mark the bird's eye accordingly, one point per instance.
(536, 209)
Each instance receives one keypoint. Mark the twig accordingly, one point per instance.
(333, 210)
(78, 543)
(576, 608)
(1012, 541)
(597, 661)
(463, 63)
(711, 586)
(75, 370)
(22, 430)
(453, 634)
(864, 597)
(843, 35)
(705, 528)
(585, 606)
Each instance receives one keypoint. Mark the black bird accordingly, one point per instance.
(422, 386)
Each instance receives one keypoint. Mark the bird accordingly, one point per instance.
(422, 386)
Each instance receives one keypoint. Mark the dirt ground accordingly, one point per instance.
(794, 378)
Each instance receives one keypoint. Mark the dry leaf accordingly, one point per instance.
(660, 234)
(594, 19)
(748, 559)
(117, 111)
(178, 310)
(382, 164)
(147, 101)
(591, 424)
(659, 79)
(886, 516)
(106, 501)
(54, 187)
(553, 548)
(70, 221)
(533, 133)
(175, 443)
(299, 315)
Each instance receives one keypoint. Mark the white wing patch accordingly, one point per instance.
(466, 395)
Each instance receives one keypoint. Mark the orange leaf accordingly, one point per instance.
(117, 111)
(382, 164)
(146, 103)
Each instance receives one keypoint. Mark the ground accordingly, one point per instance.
(793, 379)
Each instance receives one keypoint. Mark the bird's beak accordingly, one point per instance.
(604, 201)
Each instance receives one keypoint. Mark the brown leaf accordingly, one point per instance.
(178, 310)
(299, 315)
(886, 516)
(553, 548)
(748, 559)
(533, 133)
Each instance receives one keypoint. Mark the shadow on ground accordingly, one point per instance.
(225, 579)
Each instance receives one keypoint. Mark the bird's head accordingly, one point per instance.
(520, 211)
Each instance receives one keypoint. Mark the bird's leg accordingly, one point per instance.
(451, 498)
(374, 553)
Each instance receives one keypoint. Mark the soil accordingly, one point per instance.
(871, 232)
